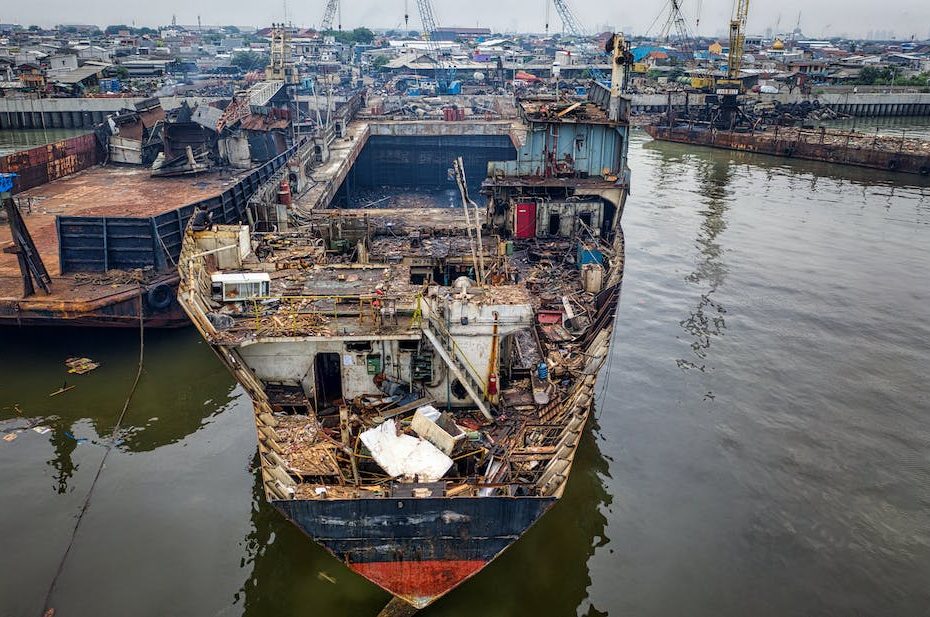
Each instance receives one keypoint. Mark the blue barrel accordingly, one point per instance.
(542, 371)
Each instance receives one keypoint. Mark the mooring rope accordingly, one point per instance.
(46, 609)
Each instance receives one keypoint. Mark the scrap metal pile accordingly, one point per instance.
(361, 445)
(753, 114)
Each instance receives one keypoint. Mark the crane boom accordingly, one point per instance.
(571, 25)
(444, 75)
(328, 14)
(570, 22)
(737, 38)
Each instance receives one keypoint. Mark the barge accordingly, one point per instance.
(889, 153)
(90, 242)
(421, 377)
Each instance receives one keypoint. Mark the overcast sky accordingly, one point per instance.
(903, 18)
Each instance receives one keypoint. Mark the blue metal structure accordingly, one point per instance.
(445, 75)
(6, 183)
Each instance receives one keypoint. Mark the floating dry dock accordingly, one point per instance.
(421, 377)
(890, 153)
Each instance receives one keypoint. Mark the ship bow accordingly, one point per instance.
(416, 549)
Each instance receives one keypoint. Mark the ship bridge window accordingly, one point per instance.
(420, 275)
(408, 345)
(235, 287)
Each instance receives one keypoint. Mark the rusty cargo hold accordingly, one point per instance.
(44, 164)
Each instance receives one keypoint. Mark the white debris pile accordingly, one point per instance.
(404, 455)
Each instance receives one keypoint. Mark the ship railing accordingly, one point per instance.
(365, 305)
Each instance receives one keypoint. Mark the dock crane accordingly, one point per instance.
(571, 25)
(731, 85)
(737, 45)
(332, 9)
(445, 75)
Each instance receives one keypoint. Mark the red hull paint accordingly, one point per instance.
(418, 582)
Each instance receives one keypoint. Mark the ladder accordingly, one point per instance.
(31, 266)
(445, 346)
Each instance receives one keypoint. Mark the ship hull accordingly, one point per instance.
(810, 146)
(418, 549)
(94, 306)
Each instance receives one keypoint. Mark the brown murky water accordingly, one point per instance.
(762, 445)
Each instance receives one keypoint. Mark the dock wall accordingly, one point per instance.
(868, 104)
(42, 164)
(87, 112)
(73, 113)
(97, 243)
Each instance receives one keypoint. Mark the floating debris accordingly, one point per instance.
(323, 576)
(9, 437)
(79, 366)
(41, 430)
(64, 388)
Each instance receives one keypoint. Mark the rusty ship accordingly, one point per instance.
(726, 125)
(421, 377)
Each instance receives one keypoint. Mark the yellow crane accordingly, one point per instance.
(737, 44)
(734, 58)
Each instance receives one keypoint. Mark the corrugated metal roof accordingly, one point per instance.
(207, 116)
(79, 74)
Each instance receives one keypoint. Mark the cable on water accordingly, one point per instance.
(605, 383)
(46, 609)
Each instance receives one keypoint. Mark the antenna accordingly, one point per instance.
(406, 17)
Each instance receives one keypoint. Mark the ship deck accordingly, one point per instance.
(320, 291)
(100, 191)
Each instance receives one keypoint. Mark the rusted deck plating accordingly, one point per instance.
(897, 154)
(98, 191)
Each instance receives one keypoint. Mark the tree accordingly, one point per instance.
(363, 35)
(380, 62)
(111, 30)
(249, 60)
(348, 37)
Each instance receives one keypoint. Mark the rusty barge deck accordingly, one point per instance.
(894, 154)
(98, 298)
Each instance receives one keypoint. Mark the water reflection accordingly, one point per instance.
(790, 170)
(544, 573)
(61, 461)
(178, 393)
(706, 320)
